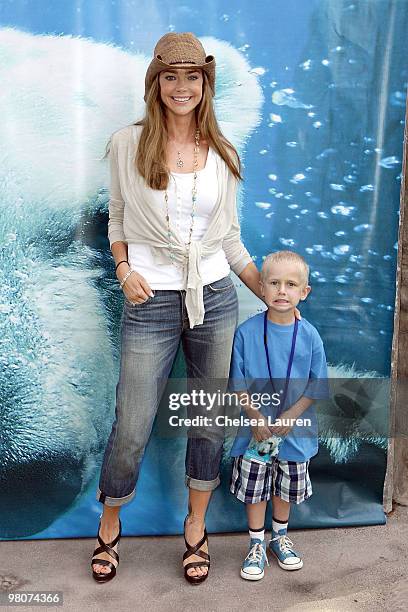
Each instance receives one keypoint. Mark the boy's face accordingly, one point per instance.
(284, 286)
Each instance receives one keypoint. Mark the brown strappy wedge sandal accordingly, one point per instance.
(108, 548)
(195, 550)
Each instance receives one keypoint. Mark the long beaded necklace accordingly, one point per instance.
(193, 199)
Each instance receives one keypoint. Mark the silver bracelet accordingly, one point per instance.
(124, 279)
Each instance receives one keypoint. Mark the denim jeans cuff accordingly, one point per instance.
(202, 485)
(114, 501)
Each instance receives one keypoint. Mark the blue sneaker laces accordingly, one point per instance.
(256, 554)
(285, 544)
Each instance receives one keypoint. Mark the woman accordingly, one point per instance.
(174, 235)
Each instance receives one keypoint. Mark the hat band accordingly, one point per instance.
(182, 62)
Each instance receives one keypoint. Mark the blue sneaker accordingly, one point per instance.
(281, 547)
(254, 563)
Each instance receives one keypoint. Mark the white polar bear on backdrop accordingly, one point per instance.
(62, 97)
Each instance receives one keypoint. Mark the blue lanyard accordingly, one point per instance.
(292, 352)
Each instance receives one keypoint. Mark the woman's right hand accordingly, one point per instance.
(136, 287)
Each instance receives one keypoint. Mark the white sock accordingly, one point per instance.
(258, 534)
(278, 525)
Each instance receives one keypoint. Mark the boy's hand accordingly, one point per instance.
(294, 413)
(282, 430)
(261, 431)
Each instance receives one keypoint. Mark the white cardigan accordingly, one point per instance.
(135, 217)
(170, 276)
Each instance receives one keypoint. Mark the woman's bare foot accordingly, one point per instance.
(194, 532)
(109, 529)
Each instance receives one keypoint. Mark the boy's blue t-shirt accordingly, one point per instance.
(249, 371)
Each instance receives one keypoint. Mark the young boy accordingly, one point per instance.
(296, 357)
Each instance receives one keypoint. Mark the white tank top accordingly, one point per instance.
(168, 276)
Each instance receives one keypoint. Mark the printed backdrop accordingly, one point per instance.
(313, 95)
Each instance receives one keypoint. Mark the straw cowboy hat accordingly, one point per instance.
(179, 50)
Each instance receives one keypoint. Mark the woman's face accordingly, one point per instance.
(181, 89)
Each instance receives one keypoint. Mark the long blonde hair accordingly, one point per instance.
(150, 159)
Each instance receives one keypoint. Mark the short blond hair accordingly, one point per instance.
(285, 257)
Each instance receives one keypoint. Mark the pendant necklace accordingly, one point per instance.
(180, 164)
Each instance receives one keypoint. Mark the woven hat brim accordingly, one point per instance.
(209, 61)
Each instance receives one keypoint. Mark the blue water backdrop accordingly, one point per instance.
(322, 177)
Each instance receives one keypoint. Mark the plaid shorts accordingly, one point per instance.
(253, 482)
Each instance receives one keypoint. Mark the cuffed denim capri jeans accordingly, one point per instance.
(150, 336)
